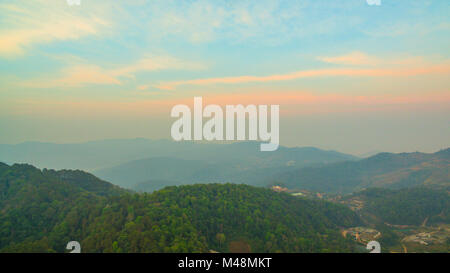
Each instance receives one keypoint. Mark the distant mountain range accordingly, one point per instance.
(102, 154)
(385, 170)
(148, 165)
(154, 164)
(240, 163)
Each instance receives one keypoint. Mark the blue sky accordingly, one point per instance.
(105, 68)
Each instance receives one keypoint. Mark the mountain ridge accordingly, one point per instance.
(381, 170)
(95, 155)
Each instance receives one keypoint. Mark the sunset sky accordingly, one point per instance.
(348, 76)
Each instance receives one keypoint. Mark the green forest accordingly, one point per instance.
(42, 210)
(410, 206)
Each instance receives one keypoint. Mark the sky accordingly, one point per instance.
(347, 75)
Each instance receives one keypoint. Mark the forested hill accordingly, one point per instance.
(43, 210)
(86, 181)
(413, 206)
(32, 201)
(385, 170)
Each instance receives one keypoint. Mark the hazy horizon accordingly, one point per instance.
(362, 154)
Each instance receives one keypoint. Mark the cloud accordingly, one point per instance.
(231, 21)
(363, 59)
(76, 76)
(80, 72)
(326, 72)
(353, 58)
(274, 22)
(143, 87)
(36, 22)
(155, 63)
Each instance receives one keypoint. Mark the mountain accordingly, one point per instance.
(103, 154)
(43, 210)
(86, 156)
(86, 181)
(385, 170)
(157, 168)
(414, 206)
(152, 185)
(240, 162)
(33, 202)
(155, 173)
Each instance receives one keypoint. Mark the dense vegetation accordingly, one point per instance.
(42, 210)
(33, 202)
(407, 206)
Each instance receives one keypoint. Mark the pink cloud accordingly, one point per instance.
(353, 58)
(335, 72)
